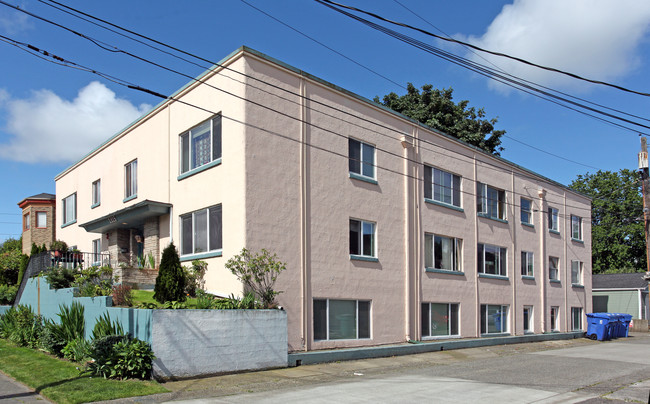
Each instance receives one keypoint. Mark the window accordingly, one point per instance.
(341, 319)
(442, 252)
(576, 272)
(70, 209)
(492, 260)
(201, 145)
(527, 259)
(201, 231)
(362, 238)
(526, 211)
(442, 186)
(555, 310)
(439, 319)
(576, 227)
(553, 223)
(528, 319)
(362, 158)
(494, 319)
(96, 197)
(131, 179)
(576, 318)
(491, 201)
(41, 220)
(26, 221)
(97, 249)
(553, 264)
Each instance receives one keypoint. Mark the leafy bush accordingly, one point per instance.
(174, 305)
(194, 277)
(170, 283)
(73, 324)
(94, 281)
(104, 327)
(9, 266)
(204, 300)
(24, 262)
(21, 326)
(122, 295)
(258, 272)
(233, 303)
(52, 339)
(120, 357)
(8, 293)
(60, 277)
(76, 350)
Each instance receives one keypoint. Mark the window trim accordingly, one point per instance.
(455, 188)
(530, 327)
(528, 211)
(96, 193)
(37, 213)
(64, 204)
(218, 144)
(554, 320)
(360, 255)
(327, 319)
(456, 254)
(553, 220)
(130, 178)
(360, 175)
(27, 221)
(503, 263)
(557, 268)
(528, 265)
(449, 320)
(580, 281)
(98, 253)
(483, 206)
(573, 228)
(217, 252)
(578, 311)
(506, 322)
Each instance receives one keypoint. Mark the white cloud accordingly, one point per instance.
(13, 22)
(47, 128)
(598, 39)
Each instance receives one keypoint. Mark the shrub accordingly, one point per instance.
(122, 295)
(73, 324)
(8, 293)
(60, 278)
(194, 277)
(170, 283)
(76, 350)
(120, 357)
(232, 302)
(21, 326)
(204, 300)
(9, 265)
(258, 272)
(94, 281)
(104, 327)
(52, 339)
(59, 245)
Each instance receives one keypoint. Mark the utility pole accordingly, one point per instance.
(645, 189)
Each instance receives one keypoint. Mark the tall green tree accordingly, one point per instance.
(436, 108)
(617, 234)
(170, 282)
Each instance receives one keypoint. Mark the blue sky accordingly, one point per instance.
(52, 115)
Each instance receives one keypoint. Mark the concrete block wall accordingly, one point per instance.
(143, 278)
(152, 239)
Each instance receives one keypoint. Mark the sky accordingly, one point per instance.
(51, 115)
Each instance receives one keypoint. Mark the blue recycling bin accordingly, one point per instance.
(612, 325)
(624, 324)
(598, 326)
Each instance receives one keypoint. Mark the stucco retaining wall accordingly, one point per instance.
(202, 342)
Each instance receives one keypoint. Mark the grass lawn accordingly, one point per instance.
(60, 381)
(146, 296)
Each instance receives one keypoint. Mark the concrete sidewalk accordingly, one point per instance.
(12, 391)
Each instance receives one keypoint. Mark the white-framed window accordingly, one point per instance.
(201, 231)
(492, 260)
(131, 179)
(553, 271)
(201, 145)
(442, 252)
(527, 263)
(442, 186)
(555, 312)
(362, 238)
(576, 318)
(362, 158)
(491, 202)
(528, 319)
(439, 319)
(576, 227)
(69, 208)
(27, 221)
(576, 272)
(41, 220)
(97, 250)
(96, 193)
(526, 206)
(341, 319)
(553, 222)
(494, 319)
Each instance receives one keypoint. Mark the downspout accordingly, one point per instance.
(513, 231)
(304, 229)
(169, 176)
(477, 306)
(408, 231)
(542, 256)
(567, 273)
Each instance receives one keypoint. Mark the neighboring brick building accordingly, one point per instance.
(39, 221)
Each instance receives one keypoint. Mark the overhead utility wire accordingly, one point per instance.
(552, 69)
(136, 87)
(514, 81)
(270, 84)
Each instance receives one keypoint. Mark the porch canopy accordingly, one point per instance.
(130, 217)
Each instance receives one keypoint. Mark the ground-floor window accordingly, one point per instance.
(528, 318)
(341, 319)
(576, 318)
(201, 231)
(494, 319)
(555, 310)
(97, 249)
(439, 319)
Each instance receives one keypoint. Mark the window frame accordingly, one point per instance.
(528, 264)
(358, 321)
(27, 221)
(576, 272)
(576, 224)
(434, 188)
(37, 215)
(576, 315)
(505, 323)
(97, 251)
(131, 180)
(501, 258)
(451, 317)
(529, 323)
(527, 212)
(361, 244)
(209, 252)
(486, 204)
(361, 160)
(96, 193)
(430, 253)
(216, 147)
(554, 317)
(555, 268)
(64, 205)
(553, 220)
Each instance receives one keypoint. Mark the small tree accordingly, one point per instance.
(170, 283)
(258, 272)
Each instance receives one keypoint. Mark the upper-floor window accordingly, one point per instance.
(576, 272)
(492, 260)
(96, 193)
(553, 223)
(131, 179)
(442, 252)
(526, 211)
(41, 220)
(201, 144)
(442, 186)
(491, 201)
(362, 238)
(527, 259)
(26, 221)
(576, 227)
(553, 272)
(362, 158)
(201, 231)
(70, 208)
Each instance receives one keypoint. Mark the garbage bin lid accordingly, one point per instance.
(599, 315)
